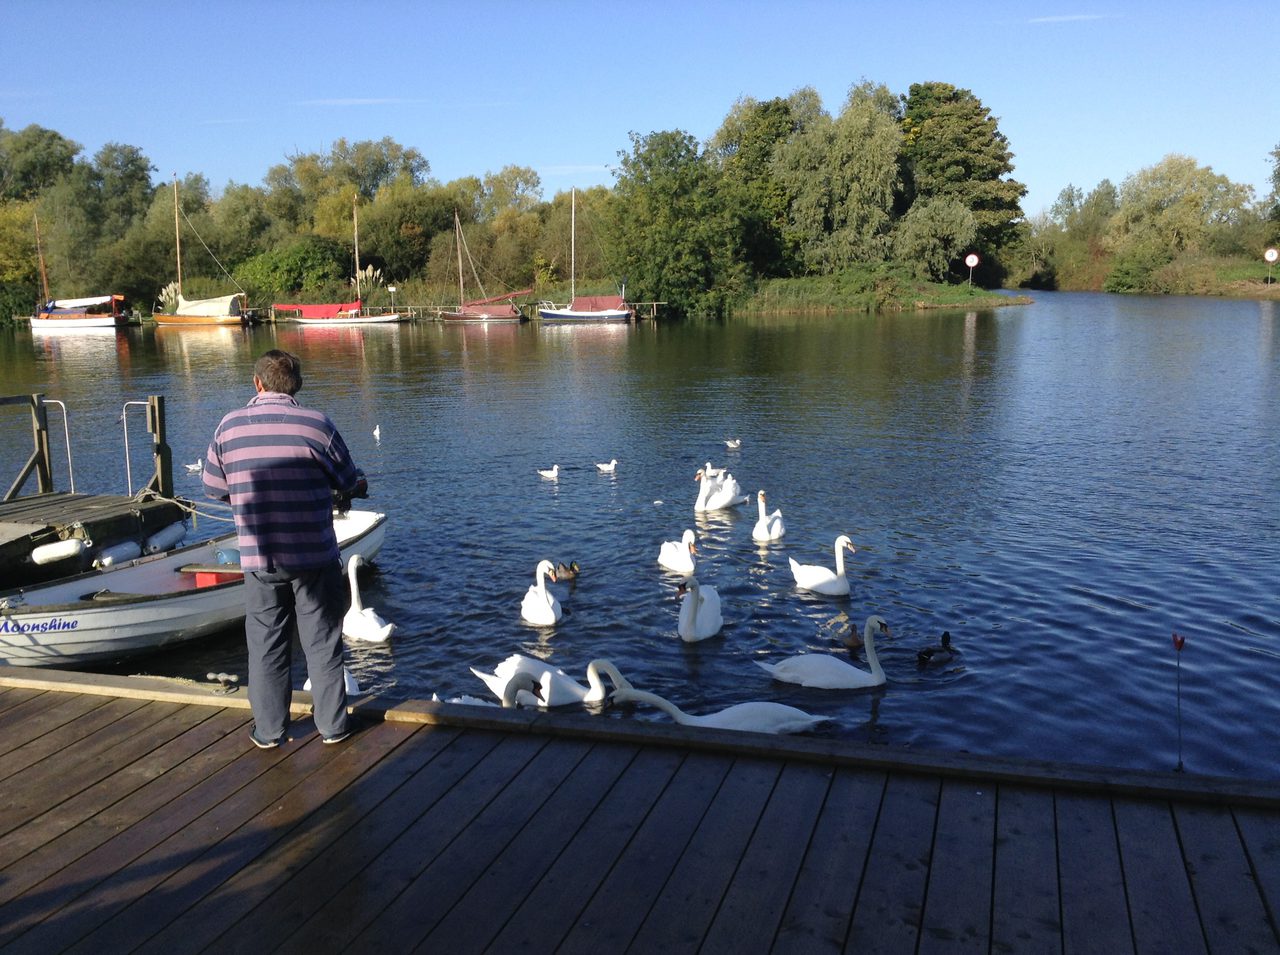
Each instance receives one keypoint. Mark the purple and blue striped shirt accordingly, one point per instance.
(277, 463)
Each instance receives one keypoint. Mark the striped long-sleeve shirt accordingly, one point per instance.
(277, 463)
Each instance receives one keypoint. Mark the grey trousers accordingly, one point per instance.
(276, 601)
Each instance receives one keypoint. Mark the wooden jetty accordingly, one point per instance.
(136, 817)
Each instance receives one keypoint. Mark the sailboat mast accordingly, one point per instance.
(457, 238)
(177, 233)
(355, 225)
(573, 246)
(44, 276)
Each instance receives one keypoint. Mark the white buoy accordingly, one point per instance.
(117, 553)
(165, 538)
(59, 550)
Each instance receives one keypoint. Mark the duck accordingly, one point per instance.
(943, 652)
(361, 622)
(567, 571)
(823, 671)
(700, 616)
(717, 493)
(349, 682)
(608, 468)
(196, 466)
(733, 444)
(769, 527)
(551, 473)
(557, 687)
(820, 579)
(678, 556)
(377, 432)
(539, 606)
(758, 716)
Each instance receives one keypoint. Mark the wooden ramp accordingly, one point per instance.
(136, 816)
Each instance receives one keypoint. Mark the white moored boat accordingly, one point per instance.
(144, 604)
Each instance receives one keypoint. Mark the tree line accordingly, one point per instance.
(783, 189)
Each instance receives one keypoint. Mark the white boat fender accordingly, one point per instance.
(117, 553)
(60, 550)
(165, 538)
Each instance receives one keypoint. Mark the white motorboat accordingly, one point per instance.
(147, 603)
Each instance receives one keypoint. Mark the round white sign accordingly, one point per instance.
(971, 260)
(1271, 255)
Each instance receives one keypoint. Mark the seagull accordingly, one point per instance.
(552, 472)
(197, 467)
(608, 468)
(733, 443)
(377, 432)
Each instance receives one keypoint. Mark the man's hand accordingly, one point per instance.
(361, 489)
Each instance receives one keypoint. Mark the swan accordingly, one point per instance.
(567, 571)
(699, 612)
(944, 652)
(558, 688)
(755, 717)
(350, 682)
(717, 493)
(377, 432)
(540, 607)
(677, 556)
(552, 472)
(825, 672)
(769, 527)
(361, 622)
(820, 579)
(197, 467)
(608, 468)
(733, 444)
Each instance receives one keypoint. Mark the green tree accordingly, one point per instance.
(953, 149)
(33, 159)
(932, 235)
(513, 187)
(306, 265)
(677, 243)
(122, 176)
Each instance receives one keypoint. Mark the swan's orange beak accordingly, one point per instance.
(693, 548)
(552, 576)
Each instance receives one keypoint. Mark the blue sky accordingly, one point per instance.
(1083, 89)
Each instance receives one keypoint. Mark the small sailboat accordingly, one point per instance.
(496, 308)
(222, 310)
(586, 308)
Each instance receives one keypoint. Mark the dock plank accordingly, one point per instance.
(1162, 907)
(370, 890)
(557, 901)
(43, 713)
(641, 868)
(1095, 908)
(1260, 834)
(1026, 914)
(957, 905)
(886, 916)
(757, 897)
(821, 903)
(492, 899)
(1227, 895)
(683, 910)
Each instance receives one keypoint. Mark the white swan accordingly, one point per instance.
(717, 493)
(755, 717)
(350, 682)
(361, 622)
(733, 443)
(677, 556)
(558, 688)
(539, 605)
(521, 687)
(826, 672)
(820, 579)
(700, 616)
(196, 467)
(769, 527)
(377, 433)
(552, 472)
(608, 468)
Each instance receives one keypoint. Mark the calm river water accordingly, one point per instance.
(1060, 485)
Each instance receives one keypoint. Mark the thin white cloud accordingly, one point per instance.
(1072, 18)
(573, 170)
(238, 121)
(361, 101)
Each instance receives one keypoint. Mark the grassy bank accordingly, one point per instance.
(868, 290)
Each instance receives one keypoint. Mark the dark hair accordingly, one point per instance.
(279, 371)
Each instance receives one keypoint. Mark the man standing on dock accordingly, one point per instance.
(280, 465)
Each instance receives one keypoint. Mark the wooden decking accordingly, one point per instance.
(137, 817)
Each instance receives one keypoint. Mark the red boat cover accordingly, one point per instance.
(597, 303)
(332, 310)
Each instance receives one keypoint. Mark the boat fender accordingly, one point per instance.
(165, 538)
(117, 553)
(60, 550)
(226, 555)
